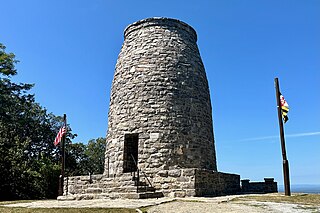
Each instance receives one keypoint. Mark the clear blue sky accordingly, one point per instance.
(69, 50)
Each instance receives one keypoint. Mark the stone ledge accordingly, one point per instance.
(161, 21)
(90, 196)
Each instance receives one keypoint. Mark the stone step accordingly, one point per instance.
(141, 183)
(146, 189)
(132, 195)
(147, 195)
(142, 195)
(128, 195)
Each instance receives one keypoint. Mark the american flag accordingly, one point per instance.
(60, 134)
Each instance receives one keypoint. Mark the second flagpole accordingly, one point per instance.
(63, 153)
(285, 161)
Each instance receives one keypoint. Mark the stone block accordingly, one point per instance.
(174, 173)
(154, 136)
(188, 172)
(181, 193)
(94, 190)
(183, 179)
(163, 173)
(187, 185)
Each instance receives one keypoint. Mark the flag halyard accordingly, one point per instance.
(59, 136)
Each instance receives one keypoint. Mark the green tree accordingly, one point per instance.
(95, 151)
(82, 159)
(29, 162)
(13, 103)
(76, 159)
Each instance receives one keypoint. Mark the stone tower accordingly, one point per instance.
(160, 122)
(160, 110)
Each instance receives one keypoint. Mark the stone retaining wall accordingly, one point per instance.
(172, 183)
(208, 183)
(98, 186)
(267, 186)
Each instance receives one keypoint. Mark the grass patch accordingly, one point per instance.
(65, 210)
(16, 201)
(306, 199)
(144, 209)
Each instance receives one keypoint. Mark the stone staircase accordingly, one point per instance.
(100, 186)
(144, 190)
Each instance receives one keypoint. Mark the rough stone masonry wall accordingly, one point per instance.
(160, 91)
(175, 183)
(196, 182)
(268, 186)
(98, 187)
(208, 183)
(172, 183)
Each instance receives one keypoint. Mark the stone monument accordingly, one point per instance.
(160, 135)
(160, 109)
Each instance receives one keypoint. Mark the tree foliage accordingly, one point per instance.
(29, 162)
(83, 159)
(95, 152)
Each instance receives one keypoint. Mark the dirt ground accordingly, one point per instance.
(239, 207)
(180, 205)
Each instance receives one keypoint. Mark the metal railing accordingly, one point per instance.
(138, 176)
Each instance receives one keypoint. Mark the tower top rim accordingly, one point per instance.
(160, 21)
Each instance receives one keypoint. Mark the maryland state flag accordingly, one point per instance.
(284, 108)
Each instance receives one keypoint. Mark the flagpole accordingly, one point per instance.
(63, 161)
(285, 161)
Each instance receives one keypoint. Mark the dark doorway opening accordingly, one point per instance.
(130, 152)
